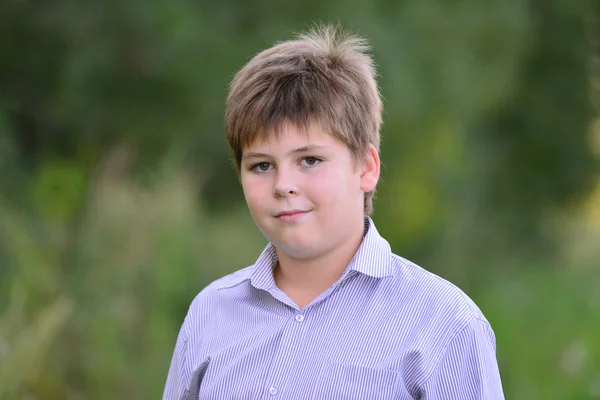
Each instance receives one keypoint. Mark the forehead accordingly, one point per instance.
(289, 137)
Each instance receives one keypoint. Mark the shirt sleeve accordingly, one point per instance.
(468, 370)
(175, 388)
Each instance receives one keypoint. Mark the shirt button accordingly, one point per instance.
(299, 317)
(273, 390)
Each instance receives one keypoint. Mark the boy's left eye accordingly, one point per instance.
(310, 161)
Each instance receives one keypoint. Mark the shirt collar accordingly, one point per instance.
(372, 259)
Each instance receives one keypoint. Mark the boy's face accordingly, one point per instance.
(305, 191)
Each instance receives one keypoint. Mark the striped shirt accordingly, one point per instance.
(387, 329)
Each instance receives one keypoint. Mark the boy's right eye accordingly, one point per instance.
(261, 167)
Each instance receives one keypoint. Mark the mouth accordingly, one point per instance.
(291, 215)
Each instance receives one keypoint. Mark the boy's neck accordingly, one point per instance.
(303, 280)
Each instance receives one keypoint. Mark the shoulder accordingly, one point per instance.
(212, 292)
(436, 295)
(436, 310)
(440, 313)
(211, 298)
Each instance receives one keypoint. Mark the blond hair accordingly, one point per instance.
(324, 76)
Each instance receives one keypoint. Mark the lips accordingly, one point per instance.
(290, 212)
(291, 215)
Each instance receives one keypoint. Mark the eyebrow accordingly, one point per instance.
(303, 149)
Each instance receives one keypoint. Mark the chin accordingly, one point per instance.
(297, 253)
(295, 240)
(298, 250)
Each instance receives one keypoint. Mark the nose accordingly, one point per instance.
(285, 184)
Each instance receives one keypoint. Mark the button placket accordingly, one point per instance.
(290, 347)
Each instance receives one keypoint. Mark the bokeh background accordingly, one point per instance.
(118, 201)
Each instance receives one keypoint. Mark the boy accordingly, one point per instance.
(327, 311)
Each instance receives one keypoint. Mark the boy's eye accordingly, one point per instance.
(261, 167)
(310, 161)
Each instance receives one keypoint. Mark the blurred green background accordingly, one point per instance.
(118, 202)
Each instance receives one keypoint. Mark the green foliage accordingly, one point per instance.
(547, 325)
(540, 164)
(130, 268)
(23, 346)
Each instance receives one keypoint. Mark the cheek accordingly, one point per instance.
(255, 190)
(335, 185)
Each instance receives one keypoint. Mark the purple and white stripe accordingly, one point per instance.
(387, 329)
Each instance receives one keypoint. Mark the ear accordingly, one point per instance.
(370, 170)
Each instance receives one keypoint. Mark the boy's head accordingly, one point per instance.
(322, 78)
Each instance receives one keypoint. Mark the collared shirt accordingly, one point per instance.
(387, 329)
